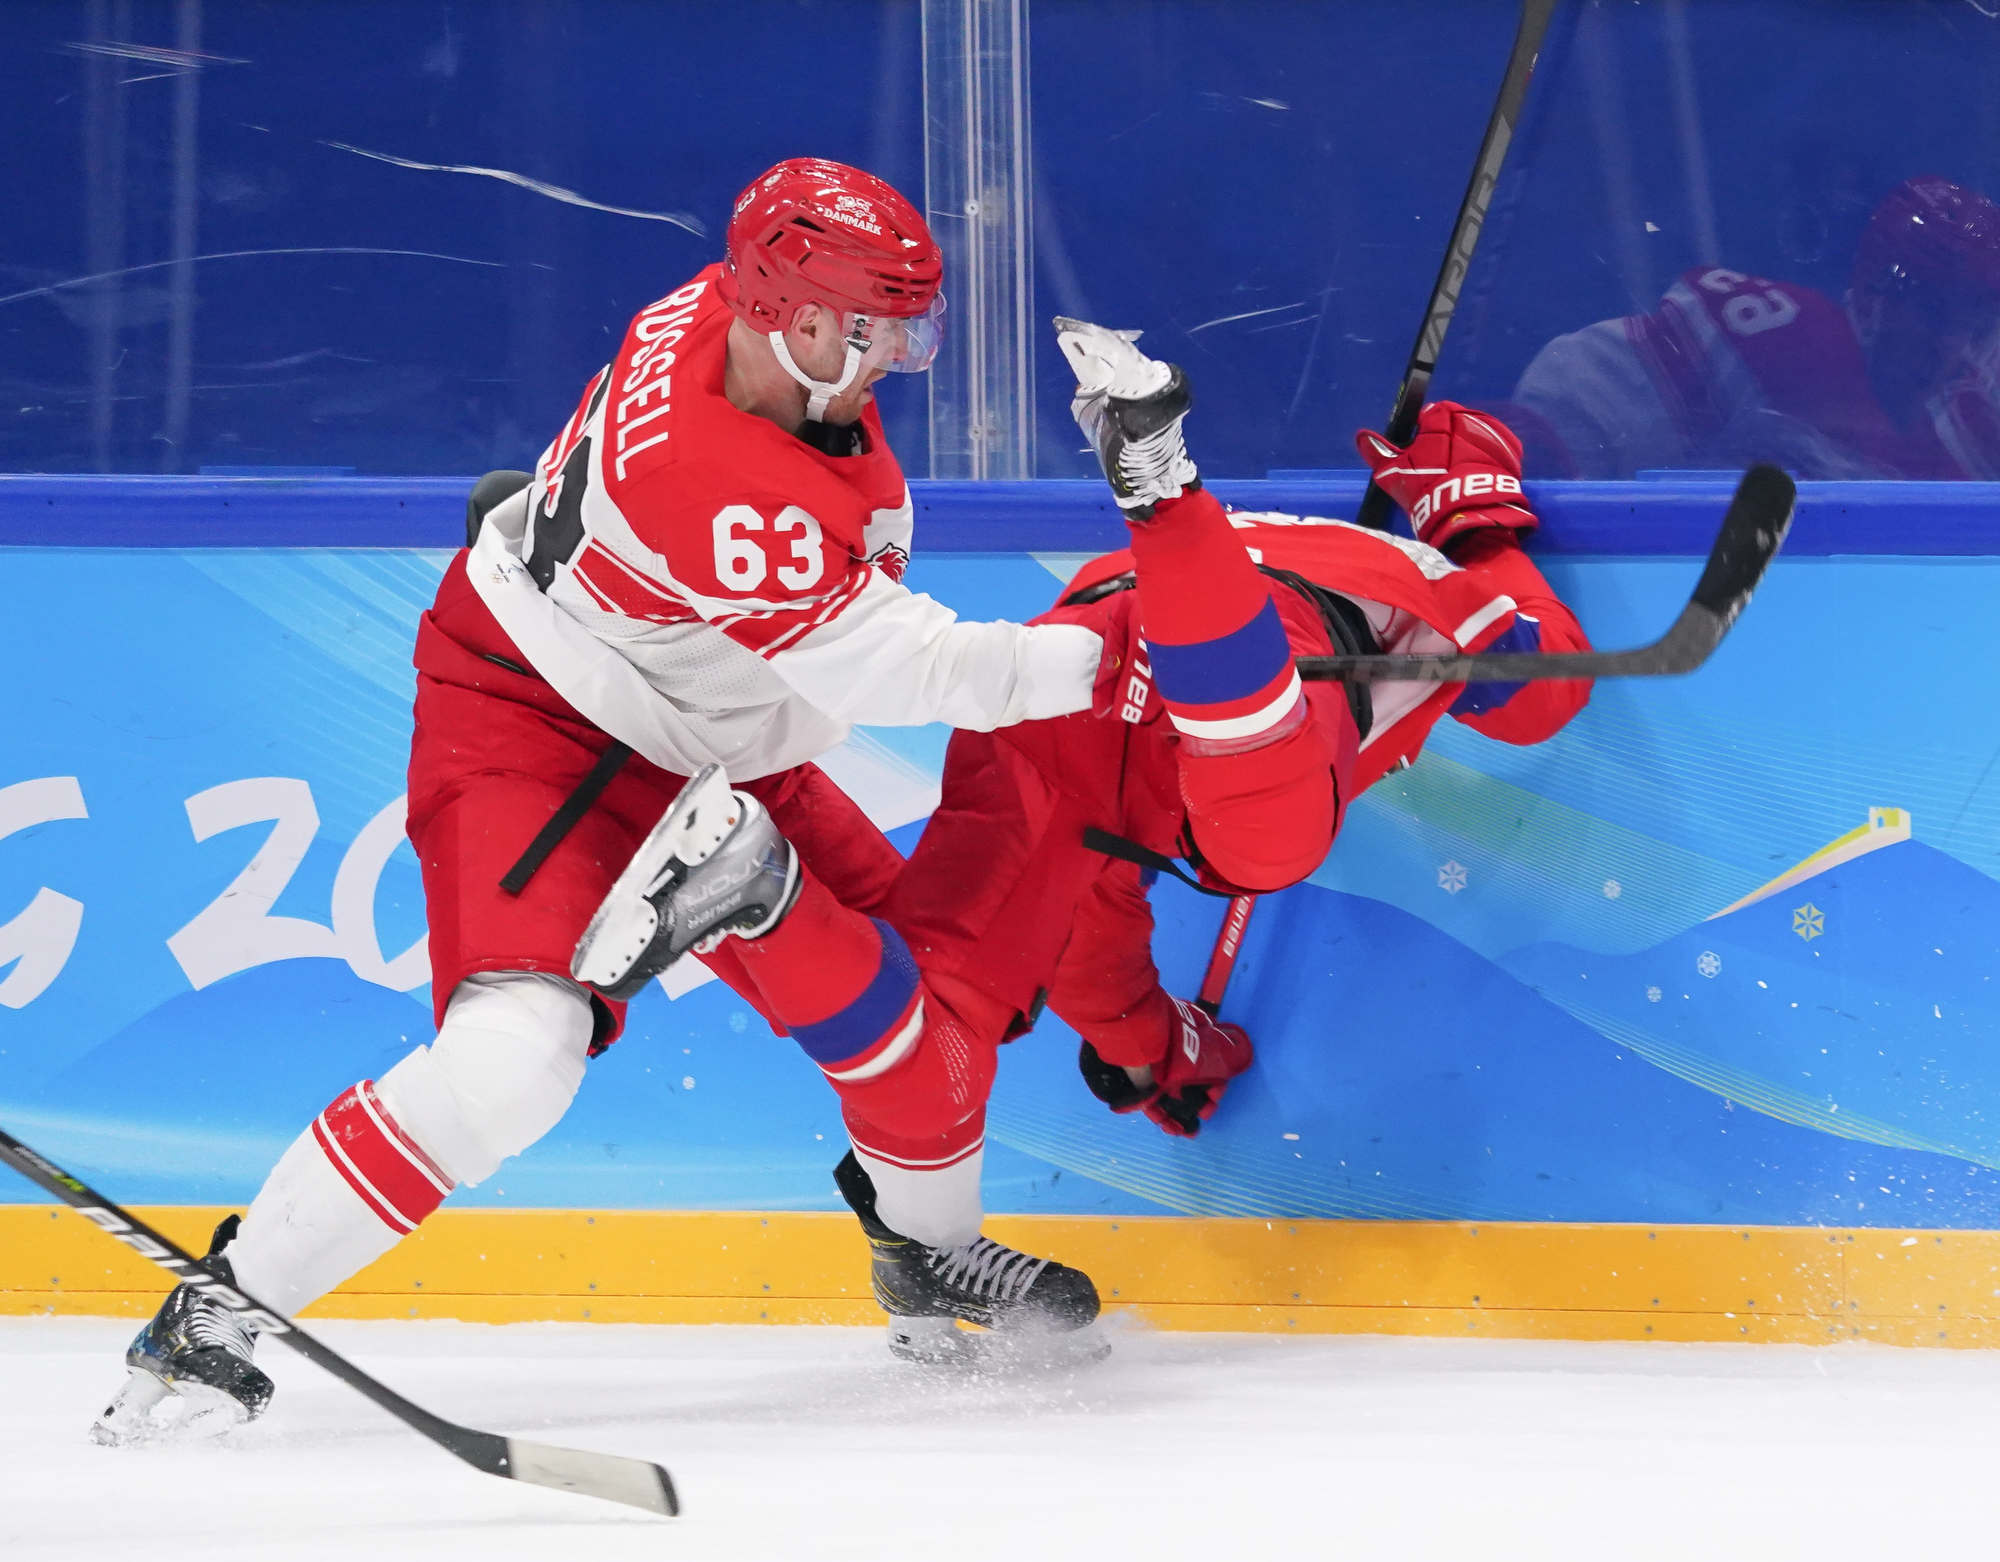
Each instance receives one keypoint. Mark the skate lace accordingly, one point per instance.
(212, 1326)
(988, 1269)
(1156, 465)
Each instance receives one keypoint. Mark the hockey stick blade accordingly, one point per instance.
(1752, 531)
(609, 1476)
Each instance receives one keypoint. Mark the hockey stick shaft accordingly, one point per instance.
(1752, 531)
(1422, 363)
(1417, 370)
(610, 1476)
(1228, 944)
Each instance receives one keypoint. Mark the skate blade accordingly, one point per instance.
(622, 928)
(695, 824)
(148, 1410)
(939, 1344)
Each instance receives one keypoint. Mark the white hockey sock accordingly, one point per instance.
(375, 1163)
(306, 1231)
(937, 1206)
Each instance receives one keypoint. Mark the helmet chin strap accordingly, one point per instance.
(818, 392)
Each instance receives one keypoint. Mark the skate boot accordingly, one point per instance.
(191, 1372)
(1033, 1307)
(715, 864)
(1130, 406)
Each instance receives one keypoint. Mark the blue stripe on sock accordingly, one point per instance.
(1230, 667)
(851, 1031)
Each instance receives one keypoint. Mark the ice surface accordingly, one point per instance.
(807, 1444)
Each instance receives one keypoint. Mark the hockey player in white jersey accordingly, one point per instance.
(704, 569)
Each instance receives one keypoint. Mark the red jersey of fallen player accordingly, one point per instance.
(1000, 892)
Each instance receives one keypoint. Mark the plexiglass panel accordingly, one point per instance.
(395, 239)
(383, 237)
(1266, 190)
(1748, 232)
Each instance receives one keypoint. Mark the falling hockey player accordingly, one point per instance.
(1202, 742)
(705, 569)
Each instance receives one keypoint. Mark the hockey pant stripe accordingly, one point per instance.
(384, 1167)
(876, 1029)
(1475, 626)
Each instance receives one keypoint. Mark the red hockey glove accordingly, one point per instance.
(1202, 1057)
(1461, 473)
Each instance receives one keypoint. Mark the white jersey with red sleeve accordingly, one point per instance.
(751, 580)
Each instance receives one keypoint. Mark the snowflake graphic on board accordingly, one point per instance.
(1451, 877)
(1808, 921)
(1708, 962)
(1653, 995)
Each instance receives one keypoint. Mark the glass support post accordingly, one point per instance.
(977, 200)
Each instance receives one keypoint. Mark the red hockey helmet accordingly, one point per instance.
(1931, 234)
(820, 232)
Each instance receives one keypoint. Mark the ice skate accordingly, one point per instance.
(715, 864)
(191, 1372)
(1131, 406)
(1028, 1311)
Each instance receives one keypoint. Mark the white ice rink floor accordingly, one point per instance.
(803, 1444)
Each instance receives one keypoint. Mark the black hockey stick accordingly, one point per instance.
(1755, 526)
(1375, 504)
(610, 1476)
(1374, 509)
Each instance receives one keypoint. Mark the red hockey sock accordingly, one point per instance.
(932, 1111)
(1263, 820)
(1220, 658)
(843, 984)
(817, 960)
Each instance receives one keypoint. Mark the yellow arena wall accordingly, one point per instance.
(1773, 1285)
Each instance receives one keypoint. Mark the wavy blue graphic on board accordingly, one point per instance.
(1423, 1081)
(1858, 1000)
